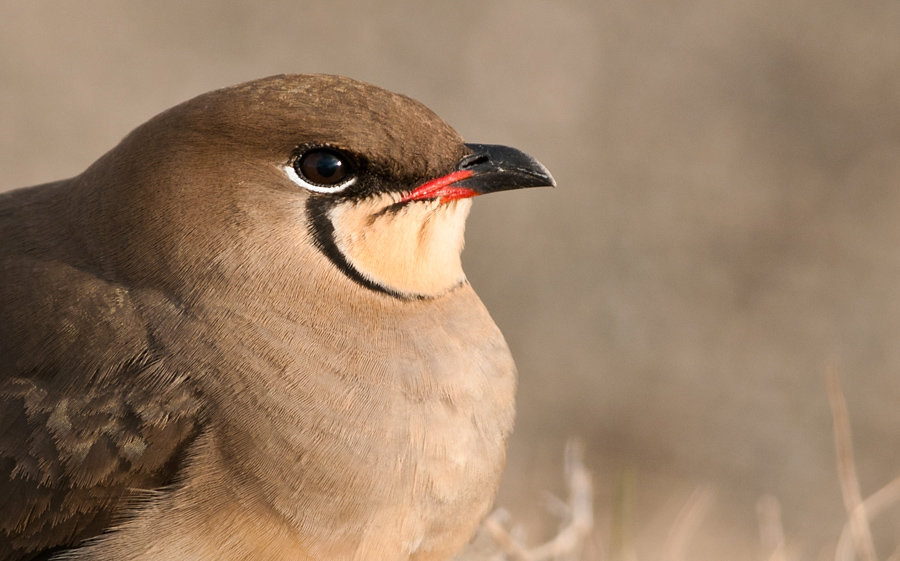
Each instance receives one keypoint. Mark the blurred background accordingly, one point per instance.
(727, 221)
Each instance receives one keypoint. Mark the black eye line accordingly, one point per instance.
(368, 177)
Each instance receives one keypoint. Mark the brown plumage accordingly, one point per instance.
(205, 355)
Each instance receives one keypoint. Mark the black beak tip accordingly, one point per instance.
(546, 176)
(501, 168)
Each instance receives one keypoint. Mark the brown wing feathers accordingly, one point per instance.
(81, 436)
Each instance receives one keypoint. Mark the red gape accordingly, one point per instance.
(442, 188)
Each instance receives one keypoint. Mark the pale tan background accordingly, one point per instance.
(727, 221)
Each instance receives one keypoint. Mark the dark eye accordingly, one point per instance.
(324, 167)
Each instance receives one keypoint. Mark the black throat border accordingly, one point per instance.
(322, 231)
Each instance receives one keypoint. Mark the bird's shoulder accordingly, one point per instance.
(91, 417)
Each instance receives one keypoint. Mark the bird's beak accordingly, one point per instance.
(488, 169)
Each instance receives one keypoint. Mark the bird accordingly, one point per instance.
(245, 333)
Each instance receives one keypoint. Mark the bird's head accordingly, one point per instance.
(250, 181)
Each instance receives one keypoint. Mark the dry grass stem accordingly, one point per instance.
(878, 502)
(687, 523)
(576, 529)
(573, 539)
(843, 442)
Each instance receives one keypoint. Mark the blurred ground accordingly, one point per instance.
(727, 221)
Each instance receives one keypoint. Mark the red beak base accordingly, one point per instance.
(442, 189)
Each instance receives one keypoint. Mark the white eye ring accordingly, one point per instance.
(293, 176)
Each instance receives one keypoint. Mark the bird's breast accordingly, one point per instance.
(377, 435)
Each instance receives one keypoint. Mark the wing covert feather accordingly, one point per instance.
(90, 417)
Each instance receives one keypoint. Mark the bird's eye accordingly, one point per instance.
(323, 167)
(322, 170)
